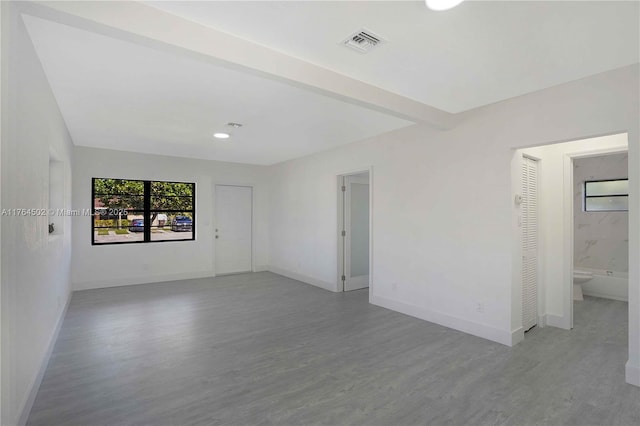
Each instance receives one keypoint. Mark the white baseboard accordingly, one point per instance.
(557, 321)
(305, 279)
(35, 386)
(542, 321)
(517, 336)
(504, 337)
(632, 374)
(119, 282)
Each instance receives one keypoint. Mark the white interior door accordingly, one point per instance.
(529, 214)
(233, 210)
(356, 232)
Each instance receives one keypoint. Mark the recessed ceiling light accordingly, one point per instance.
(221, 135)
(442, 4)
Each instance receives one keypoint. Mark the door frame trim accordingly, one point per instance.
(339, 218)
(253, 224)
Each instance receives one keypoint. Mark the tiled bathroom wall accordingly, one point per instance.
(601, 239)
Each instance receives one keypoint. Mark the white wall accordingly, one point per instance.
(115, 265)
(600, 238)
(442, 205)
(35, 266)
(555, 194)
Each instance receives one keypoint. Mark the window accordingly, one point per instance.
(142, 211)
(606, 195)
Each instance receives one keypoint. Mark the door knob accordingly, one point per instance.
(217, 236)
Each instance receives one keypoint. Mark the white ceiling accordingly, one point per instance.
(136, 78)
(476, 54)
(120, 95)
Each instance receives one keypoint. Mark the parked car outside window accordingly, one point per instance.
(181, 223)
(136, 225)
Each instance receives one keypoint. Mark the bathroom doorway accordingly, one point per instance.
(601, 226)
(560, 196)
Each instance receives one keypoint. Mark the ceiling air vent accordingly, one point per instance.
(363, 41)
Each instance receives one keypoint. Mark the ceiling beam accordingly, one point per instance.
(139, 23)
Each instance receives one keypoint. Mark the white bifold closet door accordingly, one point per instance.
(529, 214)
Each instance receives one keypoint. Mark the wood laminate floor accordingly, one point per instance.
(259, 349)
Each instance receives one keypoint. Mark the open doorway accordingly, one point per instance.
(559, 249)
(354, 231)
(601, 227)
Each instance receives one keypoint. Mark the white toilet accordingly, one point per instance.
(580, 277)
